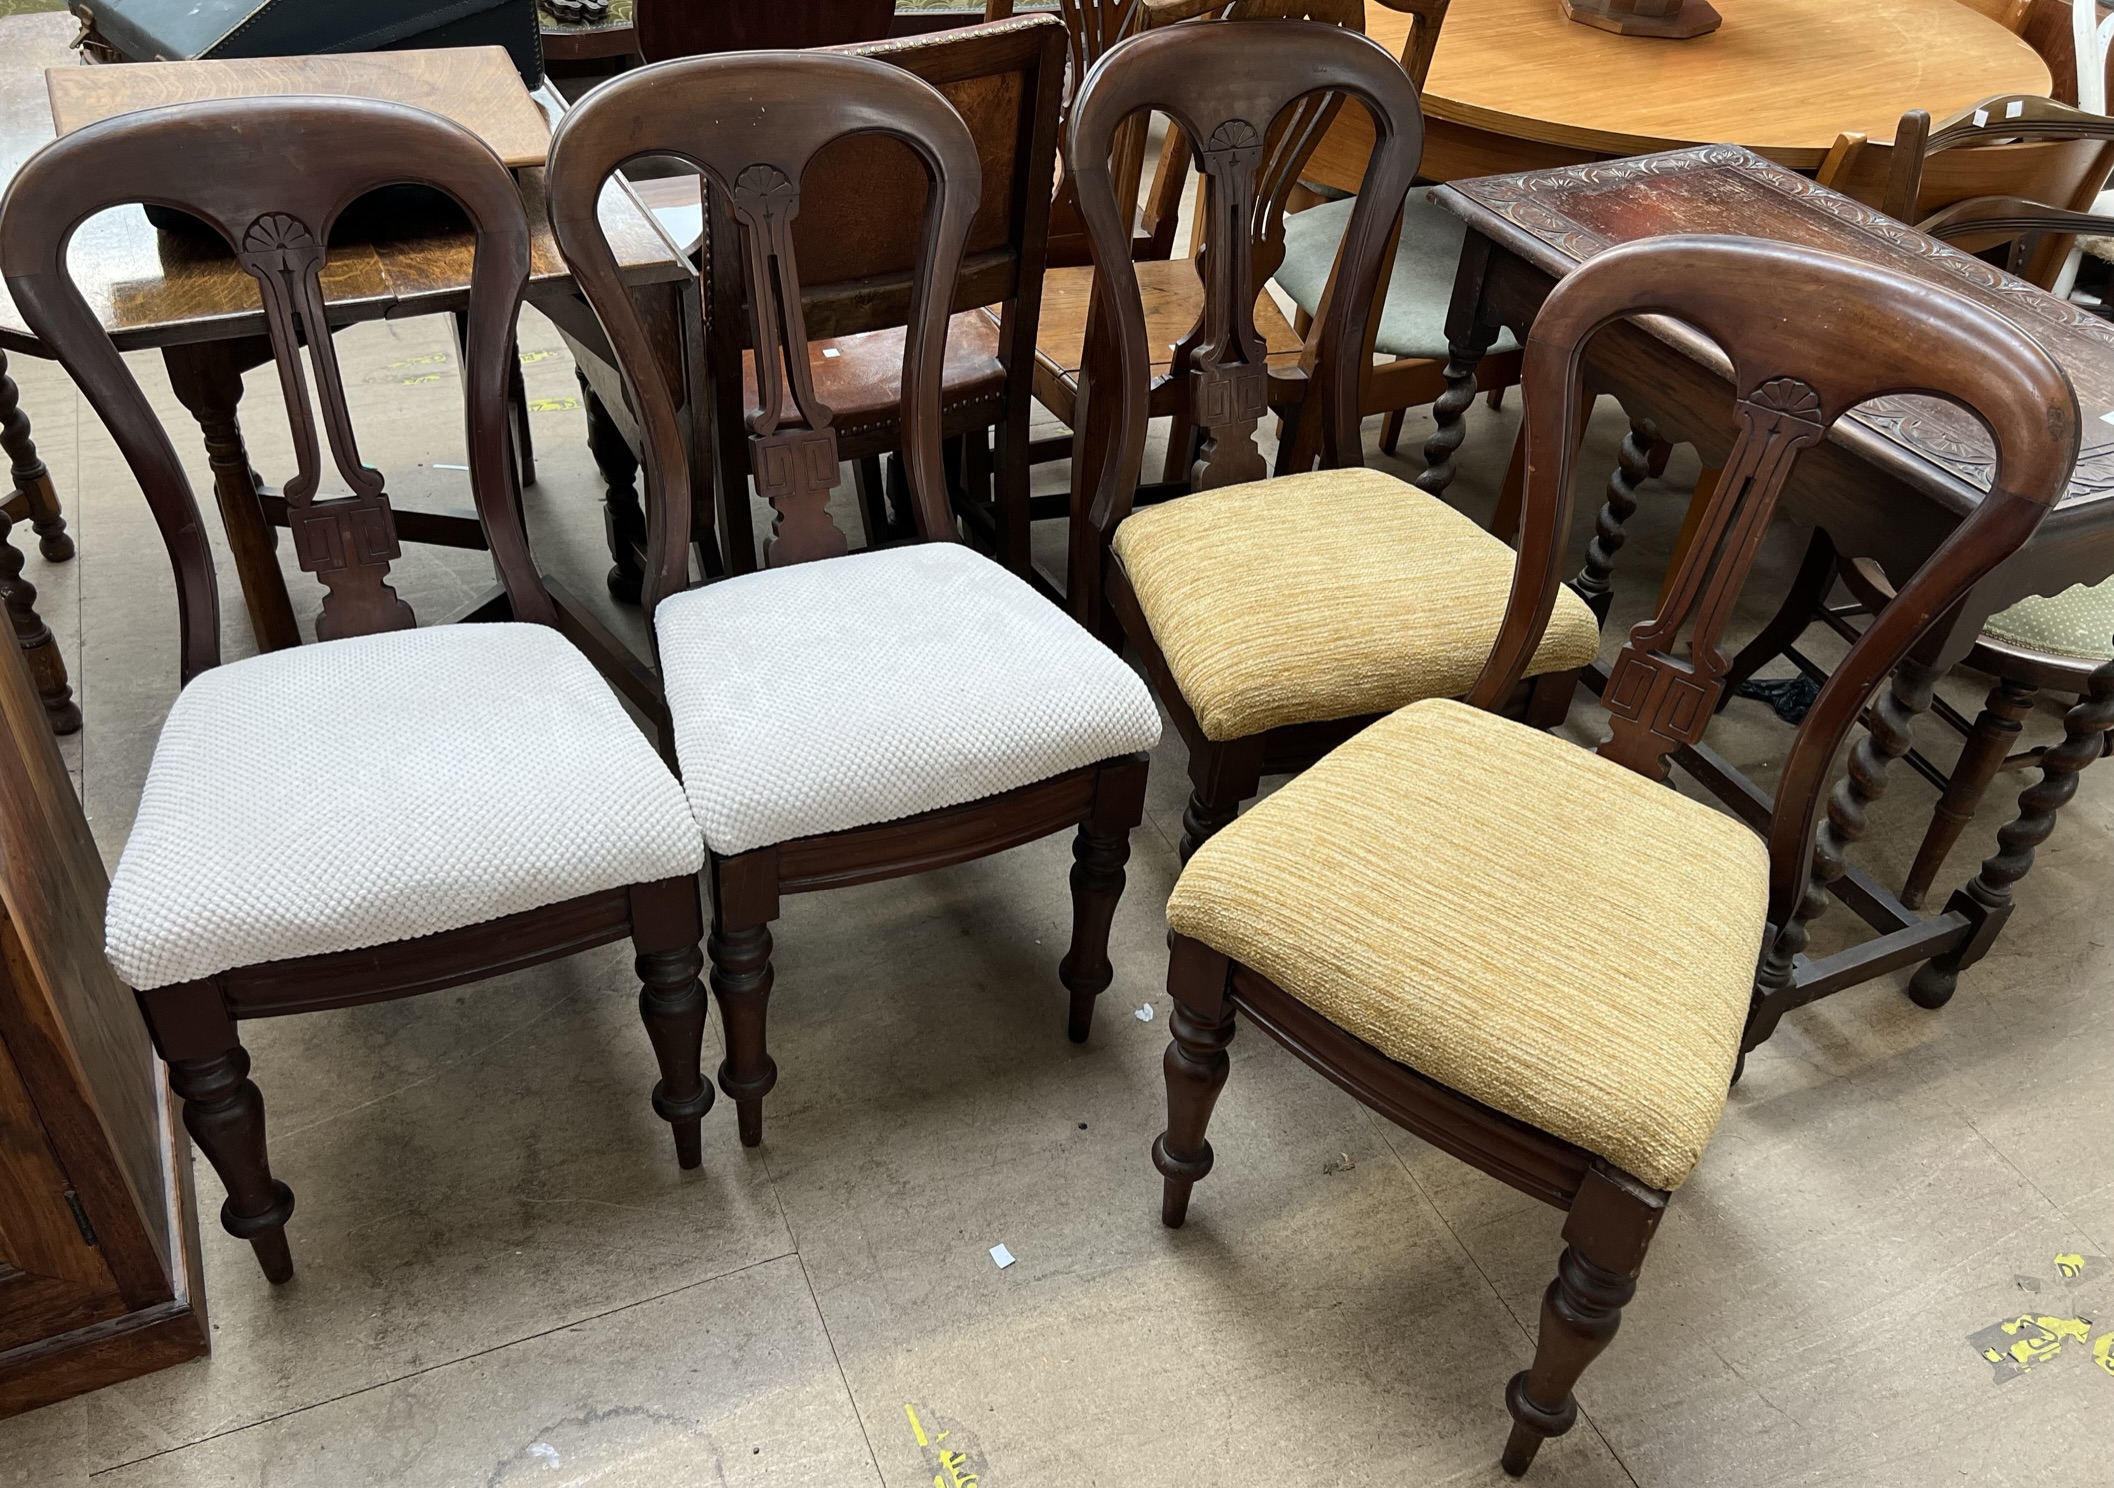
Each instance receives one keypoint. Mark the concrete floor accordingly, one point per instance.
(505, 1279)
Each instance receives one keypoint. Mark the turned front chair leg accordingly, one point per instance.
(224, 1112)
(1609, 1229)
(665, 929)
(1098, 855)
(1981, 757)
(741, 981)
(1195, 1066)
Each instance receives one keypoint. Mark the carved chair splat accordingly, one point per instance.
(1336, 857)
(762, 118)
(271, 176)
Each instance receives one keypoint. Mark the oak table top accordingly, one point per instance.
(1514, 85)
(152, 288)
(1902, 469)
(477, 87)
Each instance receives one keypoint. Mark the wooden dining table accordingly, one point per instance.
(1891, 481)
(189, 299)
(1515, 86)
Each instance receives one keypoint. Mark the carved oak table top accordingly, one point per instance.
(1925, 460)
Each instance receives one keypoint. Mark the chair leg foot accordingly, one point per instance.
(741, 981)
(1611, 1225)
(1196, 1067)
(672, 1006)
(1933, 985)
(224, 1112)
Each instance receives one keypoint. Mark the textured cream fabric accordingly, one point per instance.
(1326, 595)
(2078, 622)
(380, 788)
(879, 685)
(1509, 914)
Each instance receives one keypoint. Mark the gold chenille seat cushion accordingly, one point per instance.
(1326, 595)
(1510, 915)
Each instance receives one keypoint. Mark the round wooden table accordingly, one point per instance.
(1515, 86)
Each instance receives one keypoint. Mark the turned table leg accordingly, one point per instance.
(1448, 412)
(47, 667)
(32, 479)
(207, 380)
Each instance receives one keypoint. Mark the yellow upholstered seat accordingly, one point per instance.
(1510, 915)
(1326, 595)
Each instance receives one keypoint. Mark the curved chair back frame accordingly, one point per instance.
(751, 122)
(1809, 335)
(1227, 87)
(271, 176)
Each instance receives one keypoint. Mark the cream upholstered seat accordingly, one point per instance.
(1326, 595)
(1509, 914)
(879, 685)
(2079, 622)
(1419, 287)
(375, 789)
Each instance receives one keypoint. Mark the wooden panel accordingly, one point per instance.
(51, 1279)
(70, 1025)
(477, 87)
(86, 1125)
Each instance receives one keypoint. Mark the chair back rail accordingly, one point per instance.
(2014, 144)
(271, 177)
(751, 123)
(859, 232)
(1984, 222)
(1810, 335)
(1248, 93)
(667, 29)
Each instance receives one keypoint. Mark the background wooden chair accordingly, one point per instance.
(1417, 284)
(871, 715)
(697, 28)
(1173, 288)
(393, 810)
(857, 237)
(1276, 618)
(2012, 145)
(1538, 958)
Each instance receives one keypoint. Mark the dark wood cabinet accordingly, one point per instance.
(99, 1272)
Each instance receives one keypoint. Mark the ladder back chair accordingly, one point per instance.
(842, 718)
(2012, 145)
(390, 810)
(1536, 956)
(1275, 617)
